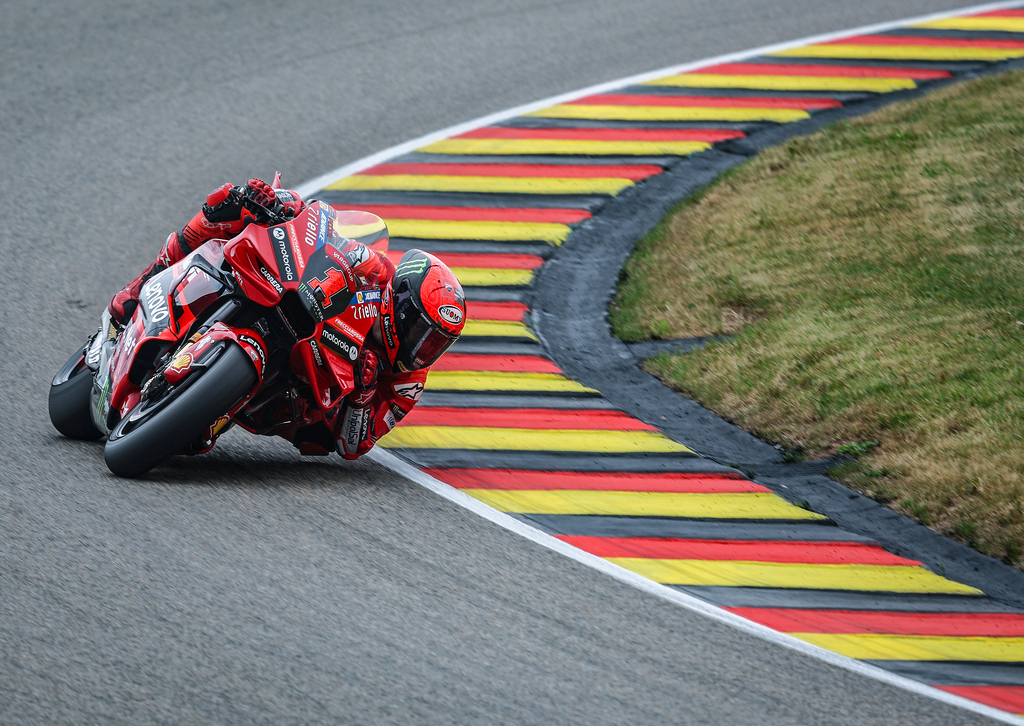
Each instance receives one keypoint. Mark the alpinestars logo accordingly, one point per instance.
(412, 391)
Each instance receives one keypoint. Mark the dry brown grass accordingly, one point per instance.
(872, 274)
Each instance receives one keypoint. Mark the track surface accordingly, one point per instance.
(251, 586)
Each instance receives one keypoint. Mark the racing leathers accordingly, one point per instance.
(383, 394)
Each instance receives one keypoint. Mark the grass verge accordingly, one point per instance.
(873, 277)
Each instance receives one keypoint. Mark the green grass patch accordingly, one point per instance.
(873, 277)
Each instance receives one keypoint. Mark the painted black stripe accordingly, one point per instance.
(955, 34)
(841, 96)
(956, 673)
(763, 597)
(479, 346)
(591, 525)
(534, 122)
(549, 461)
(495, 294)
(416, 157)
(954, 67)
(476, 247)
(354, 199)
(512, 401)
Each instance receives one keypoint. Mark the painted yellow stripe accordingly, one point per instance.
(730, 573)
(484, 184)
(671, 113)
(497, 328)
(1006, 25)
(502, 381)
(756, 505)
(565, 146)
(499, 231)
(487, 277)
(902, 52)
(473, 437)
(874, 646)
(786, 83)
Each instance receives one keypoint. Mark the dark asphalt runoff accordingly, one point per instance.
(250, 586)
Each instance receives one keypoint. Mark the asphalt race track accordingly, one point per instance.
(252, 586)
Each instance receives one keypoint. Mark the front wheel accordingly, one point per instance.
(69, 399)
(163, 425)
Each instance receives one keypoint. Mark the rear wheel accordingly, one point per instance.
(165, 423)
(69, 399)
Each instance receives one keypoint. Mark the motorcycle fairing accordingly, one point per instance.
(311, 258)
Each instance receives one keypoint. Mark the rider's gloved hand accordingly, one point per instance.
(289, 203)
(224, 205)
(260, 192)
(366, 370)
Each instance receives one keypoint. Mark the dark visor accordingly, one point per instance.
(425, 344)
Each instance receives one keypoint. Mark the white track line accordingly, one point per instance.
(401, 467)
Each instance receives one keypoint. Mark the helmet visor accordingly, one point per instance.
(422, 344)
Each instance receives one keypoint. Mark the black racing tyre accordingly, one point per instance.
(69, 400)
(157, 429)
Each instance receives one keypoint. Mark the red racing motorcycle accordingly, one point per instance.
(275, 316)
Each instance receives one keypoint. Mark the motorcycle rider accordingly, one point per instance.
(422, 314)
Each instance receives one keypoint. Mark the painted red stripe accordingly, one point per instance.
(494, 262)
(495, 310)
(927, 41)
(602, 134)
(633, 172)
(964, 625)
(1018, 13)
(798, 69)
(478, 214)
(595, 481)
(611, 99)
(816, 553)
(502, 363)
(525, 418)
(1005, 698)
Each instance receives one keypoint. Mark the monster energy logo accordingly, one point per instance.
(410, 267)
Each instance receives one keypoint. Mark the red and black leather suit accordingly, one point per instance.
(383, 394)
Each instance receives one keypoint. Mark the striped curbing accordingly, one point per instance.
(502, 423)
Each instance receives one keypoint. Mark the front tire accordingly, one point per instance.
(69, 399)
(156, 430)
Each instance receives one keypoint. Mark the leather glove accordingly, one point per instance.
(227, 204)
(260, 192)
(224, 205)
(366, 370)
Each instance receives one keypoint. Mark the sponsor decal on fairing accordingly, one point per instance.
(336, 341)
(364, 312)
(271, 279)
(283, 253)
(255, 344)
(316, 353)
(156, 301)
(182, 363)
